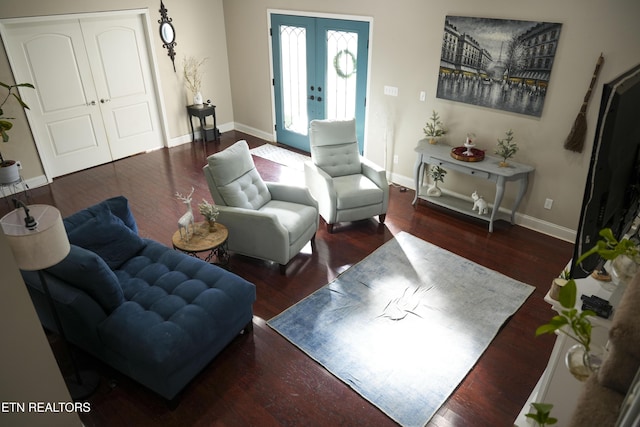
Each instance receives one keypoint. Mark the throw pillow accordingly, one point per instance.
(106, 235)
(87, 271)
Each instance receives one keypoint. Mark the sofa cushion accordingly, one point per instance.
(354, 191)
(108, 236)
(175, 305)
(87, 271)
(119, 206)
(338, 160)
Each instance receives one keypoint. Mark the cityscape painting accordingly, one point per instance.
(497, 63)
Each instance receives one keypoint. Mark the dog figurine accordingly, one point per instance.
(479, 203)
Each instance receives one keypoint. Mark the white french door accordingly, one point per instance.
(94, 100)
(320, 72)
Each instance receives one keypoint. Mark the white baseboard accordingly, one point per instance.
(226, 127)
(269, 137)
(526, 221)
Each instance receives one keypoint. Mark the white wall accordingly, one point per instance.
(406, 52)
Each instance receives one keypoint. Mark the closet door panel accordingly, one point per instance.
(64, 115)
(118, 56)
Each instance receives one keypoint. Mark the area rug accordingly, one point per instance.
(281, 155)
(404, 326)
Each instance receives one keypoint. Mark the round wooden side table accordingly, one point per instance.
(202, 240)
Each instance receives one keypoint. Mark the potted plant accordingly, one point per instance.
(210, 212)
(582, 359)
(192, 72)
(542, 415)
(506, 148)
(434, 128)
(9, 168)
(437, 175)
(623, 255)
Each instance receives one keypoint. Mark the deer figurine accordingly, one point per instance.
(187, 218)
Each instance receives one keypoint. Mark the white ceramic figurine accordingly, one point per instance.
(479, 203)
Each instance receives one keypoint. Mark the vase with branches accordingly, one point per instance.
(192, 73)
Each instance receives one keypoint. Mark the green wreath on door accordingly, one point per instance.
(345, 74)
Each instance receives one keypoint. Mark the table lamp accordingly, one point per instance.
(38, 240)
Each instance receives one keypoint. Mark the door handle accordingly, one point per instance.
(312, 97)
(89, 104)
(319, 99)
(104, 101)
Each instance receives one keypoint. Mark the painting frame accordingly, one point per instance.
(503, 64)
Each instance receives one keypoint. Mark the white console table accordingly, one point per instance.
(489, 169)
(556, 385)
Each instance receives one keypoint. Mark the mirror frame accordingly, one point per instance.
(168, 43)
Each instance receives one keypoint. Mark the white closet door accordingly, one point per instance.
(119, 59)
(95, 100)
(65, 118)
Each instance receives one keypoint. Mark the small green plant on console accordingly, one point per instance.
(578, 322)
(542, 415)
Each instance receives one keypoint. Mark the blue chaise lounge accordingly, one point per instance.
(155, 314)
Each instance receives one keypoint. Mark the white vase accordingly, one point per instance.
(10, 172)
(434, 191)
(197, 99)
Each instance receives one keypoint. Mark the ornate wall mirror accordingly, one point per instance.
(167, 34)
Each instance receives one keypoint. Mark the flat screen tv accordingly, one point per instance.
(612, 192)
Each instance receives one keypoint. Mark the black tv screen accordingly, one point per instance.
(612, 192)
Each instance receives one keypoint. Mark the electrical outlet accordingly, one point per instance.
(391, 90)
(395, 159)
(548, 203)
(19, 164)
(423, 95)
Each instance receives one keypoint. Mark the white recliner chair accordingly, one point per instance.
(347, 186)
(266, 220)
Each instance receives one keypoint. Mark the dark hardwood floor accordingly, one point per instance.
(263, 380)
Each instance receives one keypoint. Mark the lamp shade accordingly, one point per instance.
(42, 247)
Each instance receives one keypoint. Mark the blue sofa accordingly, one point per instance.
(155, 314)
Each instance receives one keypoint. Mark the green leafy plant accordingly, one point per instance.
(542, 415)
(610, 248)
(578, 322)
(434, 127)
(437, 173)
(5, 124)
(507, 147)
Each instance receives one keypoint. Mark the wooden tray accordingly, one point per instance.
(458, 154)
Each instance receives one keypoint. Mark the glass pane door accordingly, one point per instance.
(342, 65)
(320, 71)
(293, 53)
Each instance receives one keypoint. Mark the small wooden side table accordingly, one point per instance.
(203, 240)
(202, 112)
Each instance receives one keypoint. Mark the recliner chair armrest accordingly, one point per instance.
(374, 172)
(256, 234)
(322, 189)
(291, 193)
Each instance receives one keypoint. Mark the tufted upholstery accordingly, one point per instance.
(237, 179)
(347, 186)
(172, 315)
(266, 220)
